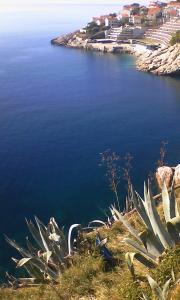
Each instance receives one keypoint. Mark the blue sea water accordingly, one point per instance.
(59, 108)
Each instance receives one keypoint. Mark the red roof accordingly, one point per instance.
(174, 3)
(125, 15)
(137, 17)
(154, 11)
(172, 12)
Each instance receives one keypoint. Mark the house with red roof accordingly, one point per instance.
(106, 20)
(174, 4)
(172, 10)
(154, 13)
(136, 19)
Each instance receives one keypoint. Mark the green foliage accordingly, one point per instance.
(77, 280)
(94, 31)
(169, 261)
(128, 289)
(98, 35)
(175, 38)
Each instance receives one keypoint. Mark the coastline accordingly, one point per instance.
(163, 62)
(94, 46)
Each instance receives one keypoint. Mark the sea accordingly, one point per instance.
(60, 108)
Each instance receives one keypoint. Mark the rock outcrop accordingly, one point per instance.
(74, 41)
(164, 61)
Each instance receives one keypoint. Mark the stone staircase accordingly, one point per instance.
(124, 33)
(114, 33)
(164, 33)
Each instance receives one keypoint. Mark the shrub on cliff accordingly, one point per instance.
(175, 38)
(98, 35)
(95, 31)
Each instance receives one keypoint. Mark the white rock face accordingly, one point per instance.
(177, 175)
(164, 173)
(164, 61)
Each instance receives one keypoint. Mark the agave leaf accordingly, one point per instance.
(98, 222)
(151, 243)
(58, 255)
(33, 271)
(21, 250)
(47, 255)
(113, 214)
(14, 260)
(23, 261)
(145, 261)
(31, 248)
(41, 223)
(43, 234)
(62, 239)
(44, 268)
(55, 227)
(35, 234)
(103, 242)
(145, 297)
(27, 280)
(140, 207)
(173, 275)
(166, 288)
(133, 231)
(155, 220)
(173, 227)
(70, 250)
(139, 248)
(12, 280)
(155, 288)
(176, 222)
(129, 257)
(26, 264)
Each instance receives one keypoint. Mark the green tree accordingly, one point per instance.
(175, 38)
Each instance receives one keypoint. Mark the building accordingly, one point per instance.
(154, 4)
(136, 19)
(154, 13)
(106, 20)
(125, 33)
(172, 10)
(124, 15)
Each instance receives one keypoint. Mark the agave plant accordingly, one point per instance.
(47, 258)
(157, 237)
(160, 293)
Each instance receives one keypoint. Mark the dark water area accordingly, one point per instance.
(60, 108)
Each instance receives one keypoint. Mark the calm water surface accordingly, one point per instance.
(59, 108)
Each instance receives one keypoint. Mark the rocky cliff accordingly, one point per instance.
(164, 61)
(73, 41)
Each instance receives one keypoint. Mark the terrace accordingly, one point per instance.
(163, 33)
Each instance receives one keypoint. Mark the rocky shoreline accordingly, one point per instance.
(71, 42)
(165, 61)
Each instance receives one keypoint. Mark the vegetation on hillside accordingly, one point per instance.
(175, 38)
(94, 31)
